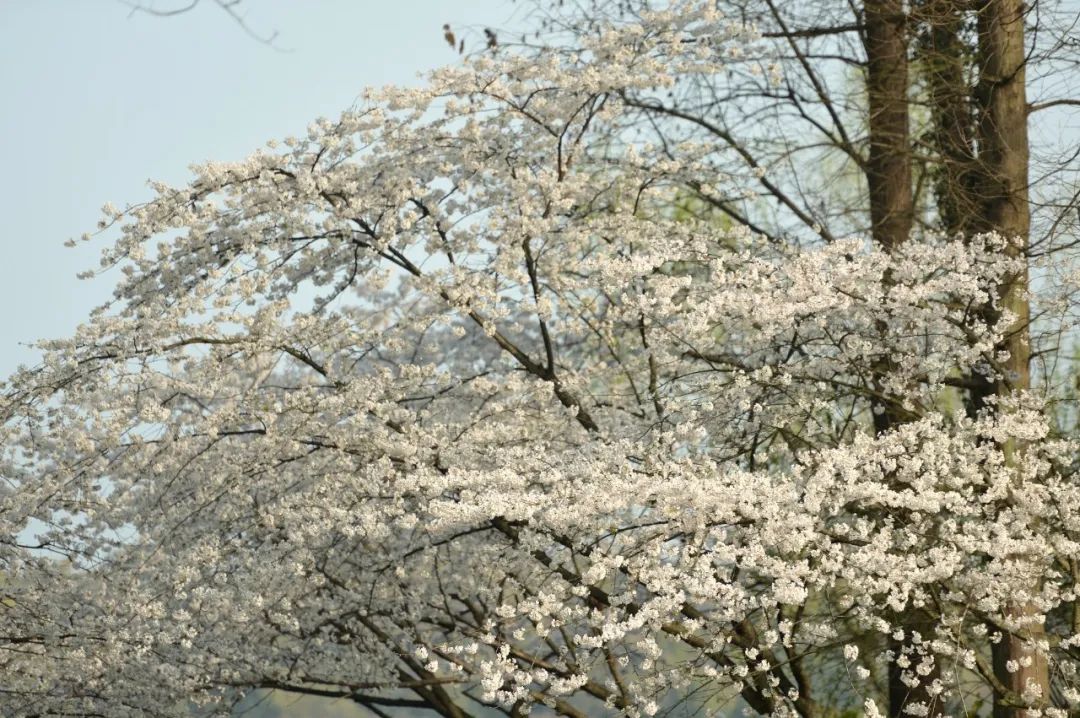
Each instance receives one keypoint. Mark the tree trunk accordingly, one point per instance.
(944, 54)
(892, 212)
(888, 165)
(1003, 189)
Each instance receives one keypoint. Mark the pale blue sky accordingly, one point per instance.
(97, 100)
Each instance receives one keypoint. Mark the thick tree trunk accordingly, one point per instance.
(1002, 125)
(892, 212)
(888, 164)
(1003, 189)
(944, 55)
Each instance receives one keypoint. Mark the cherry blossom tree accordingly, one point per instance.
(467, 402)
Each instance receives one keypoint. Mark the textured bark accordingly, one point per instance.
(1003, 194)
(888, 165)
(945, 54)
(892, 212)
(1002, 123)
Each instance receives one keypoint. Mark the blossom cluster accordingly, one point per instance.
(444, 399)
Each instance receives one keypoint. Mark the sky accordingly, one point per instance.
(97, 100)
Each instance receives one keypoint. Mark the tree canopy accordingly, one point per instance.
(492, 396)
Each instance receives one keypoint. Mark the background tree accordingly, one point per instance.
(963, 68)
